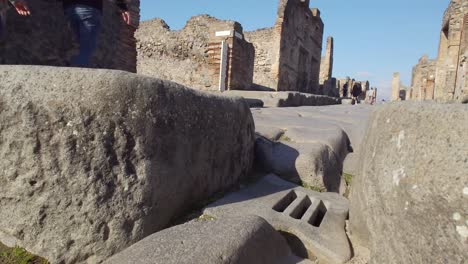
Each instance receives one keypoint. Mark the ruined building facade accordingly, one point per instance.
(423, 80)
(288, 55)
(451, 70)
(193, 56)
(328, 84)
(44, 38)
(445, 78)
(285, 57)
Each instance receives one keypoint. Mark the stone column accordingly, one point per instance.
(396, 87)
(326, 67)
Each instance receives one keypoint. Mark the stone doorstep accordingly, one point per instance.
(316, 219)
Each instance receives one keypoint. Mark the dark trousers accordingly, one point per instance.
(85, 22)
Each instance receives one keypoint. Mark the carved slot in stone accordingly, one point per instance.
(317, 217)
(301, 208)
(285, 202)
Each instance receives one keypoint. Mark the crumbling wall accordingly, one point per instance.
(45, 38)
(266, 43)
(326, 66)
(452, 59)
(289, 54)
(422, 83)
(183, 55)
(396, 87)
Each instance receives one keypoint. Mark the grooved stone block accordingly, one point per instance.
(233, 240)
(316, 220)
(92, 161)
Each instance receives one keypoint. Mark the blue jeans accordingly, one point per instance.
(85, 22)
(2, 25)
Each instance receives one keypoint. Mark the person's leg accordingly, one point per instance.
(74, 23)
(89, 28)
(89, 21)
(2, 24)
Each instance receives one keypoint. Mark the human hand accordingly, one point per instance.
(22, 8)
(126, 17)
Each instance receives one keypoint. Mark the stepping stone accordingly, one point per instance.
(312, 222)
(231, 240)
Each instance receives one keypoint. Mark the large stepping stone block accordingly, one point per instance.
(232, 240)
(92, 161)
(409, 201)
(312, 222)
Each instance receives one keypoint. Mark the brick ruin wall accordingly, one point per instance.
(326, 65)
(183, 56)
(422, 83)
(266, 44)
(45, 38)
(451, 68)
(288, 55)
(239, 58)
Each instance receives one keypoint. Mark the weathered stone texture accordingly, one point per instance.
(291, 49)
(422, 84)
(243, 239)
(185, 56)
(44, 38)
(451, 74)
(92, 161)
(408, 200)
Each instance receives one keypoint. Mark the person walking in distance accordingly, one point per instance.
(21, 8)
(84, 17)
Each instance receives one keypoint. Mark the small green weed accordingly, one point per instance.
(312, 187)
(205, 217)
(18, 255)
(285, 138)
(348, 178)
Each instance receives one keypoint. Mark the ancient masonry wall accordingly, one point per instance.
(45, 38)
(288, 55)
(423, 80)
(328, 85)
(451, 72)
(396, 87)
(191, 56)
(326, 66)
(238, 72)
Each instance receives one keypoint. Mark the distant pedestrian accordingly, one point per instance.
(85, 20)
(21, 8)
(374, 96)
(355, 92)
(345, 90)
(369, 94)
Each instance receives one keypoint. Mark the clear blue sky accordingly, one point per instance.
(373, 38)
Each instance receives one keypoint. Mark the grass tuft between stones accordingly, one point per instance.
(348, 178)
(206, 217)
(18, 255)
(312, 187)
